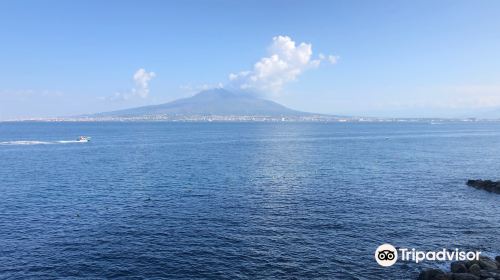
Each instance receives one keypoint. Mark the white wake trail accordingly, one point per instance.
(25, 143)
(30, 142)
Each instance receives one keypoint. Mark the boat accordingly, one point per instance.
(83, 139)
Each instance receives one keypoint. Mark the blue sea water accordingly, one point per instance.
(159, 200)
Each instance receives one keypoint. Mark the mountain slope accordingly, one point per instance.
(211, 102)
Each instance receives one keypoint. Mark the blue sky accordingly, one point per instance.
(395, 58)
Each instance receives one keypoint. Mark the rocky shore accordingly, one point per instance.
(483, 269)
(487, 185)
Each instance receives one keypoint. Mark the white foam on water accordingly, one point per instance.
(27, 142)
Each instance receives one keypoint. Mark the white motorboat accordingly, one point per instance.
(83, 139)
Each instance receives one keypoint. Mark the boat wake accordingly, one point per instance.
(69, 141)
(27, 143)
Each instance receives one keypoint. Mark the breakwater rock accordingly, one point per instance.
(483, 269)
(487, 185)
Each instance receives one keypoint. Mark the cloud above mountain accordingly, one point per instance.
(285, 63)
(141, 80)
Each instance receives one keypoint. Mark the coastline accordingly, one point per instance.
(251, 118)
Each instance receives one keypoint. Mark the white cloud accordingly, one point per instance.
(141, 80)
(333, 59)
(191, 89)
(141, 89)
(286, 61)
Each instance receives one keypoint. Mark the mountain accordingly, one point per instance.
(220, 102)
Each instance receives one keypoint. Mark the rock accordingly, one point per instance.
(468, 264)
(483, 269)
(458, 267)
(487, 185)
(431, 274)
(490, 274)
(464, 276)
(487, 263)
(446, 276)
(475, 269)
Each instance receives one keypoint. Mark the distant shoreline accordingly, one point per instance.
(243, 118)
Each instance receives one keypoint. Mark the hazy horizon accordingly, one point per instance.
(360, 58)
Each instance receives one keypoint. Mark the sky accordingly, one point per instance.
(364, 58)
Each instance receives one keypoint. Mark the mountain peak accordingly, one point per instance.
(217, 101)
(223, 93)
(215, 91)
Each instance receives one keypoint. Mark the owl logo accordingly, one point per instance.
(386, 255)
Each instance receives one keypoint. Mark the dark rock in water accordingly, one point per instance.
(446, 276)
(475, 269)
(459, 267)
(490, 275)
(468, 264)
(483, 269)
(487, 185)
(487, 263)
(431, 274)
(465, 276)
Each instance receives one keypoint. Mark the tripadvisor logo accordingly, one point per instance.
(387, 255)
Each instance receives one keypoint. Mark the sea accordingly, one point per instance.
(180, 200)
